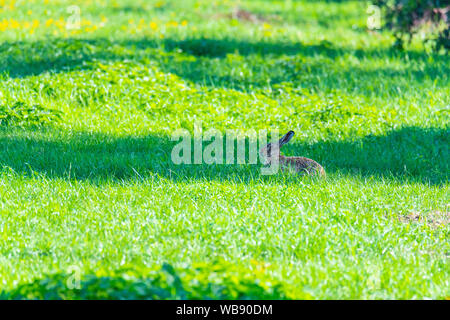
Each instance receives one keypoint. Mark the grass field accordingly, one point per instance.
(91, 205)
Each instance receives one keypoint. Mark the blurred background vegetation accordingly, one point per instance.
(408, 17)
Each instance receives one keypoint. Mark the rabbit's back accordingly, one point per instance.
(302, 164)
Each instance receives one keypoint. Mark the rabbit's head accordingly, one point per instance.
(272, 150)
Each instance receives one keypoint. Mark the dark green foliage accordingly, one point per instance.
(406, 17)
(165, 283)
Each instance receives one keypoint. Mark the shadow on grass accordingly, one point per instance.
(407, 154)
(205, 61)
(213, 282)
(21, 59)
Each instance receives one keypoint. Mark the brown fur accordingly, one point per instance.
(302, 164)
(298, 164)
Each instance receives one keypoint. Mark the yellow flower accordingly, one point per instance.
(159, 4)
(103, 21)
(153, 25)
(60, 23)
(172, 24)
(14, 24)
(184, 23)
(4, 25)
(49, 22)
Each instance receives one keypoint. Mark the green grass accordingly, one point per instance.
(87, 184)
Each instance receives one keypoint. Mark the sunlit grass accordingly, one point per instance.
(87, 185)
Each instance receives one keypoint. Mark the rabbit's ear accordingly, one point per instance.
(285, 139)
(269, 149)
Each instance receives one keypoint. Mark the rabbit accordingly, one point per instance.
(299, 164)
